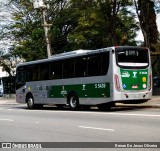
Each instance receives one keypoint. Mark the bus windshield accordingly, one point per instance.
(134, 57)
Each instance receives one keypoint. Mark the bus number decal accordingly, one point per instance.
(100, 86)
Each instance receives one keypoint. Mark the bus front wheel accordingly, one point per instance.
(30, 102)
(74, 102)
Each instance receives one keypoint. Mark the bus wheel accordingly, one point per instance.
(74, 102)
(30, 102)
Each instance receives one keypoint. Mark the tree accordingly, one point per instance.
(8, 63)
(104, 23)
(147, 18)
(64, 21)
(6, 60)
(86, 24)
(27, 31)
(86, 35)
(156, 59)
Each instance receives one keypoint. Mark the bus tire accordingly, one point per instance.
(73, 101)
(30, 102)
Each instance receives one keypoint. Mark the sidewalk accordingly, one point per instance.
(7, 100)
(153, 103)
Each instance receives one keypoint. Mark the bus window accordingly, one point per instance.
(43, 71)
(68, 68)
(105, 63)
(32, 74)
(55, 70)
(81, 67)
(94, 65)
(132, 57)
(20, 77)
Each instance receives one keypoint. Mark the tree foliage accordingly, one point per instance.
(77, 24)
(146, 14)
(105, 23)
(27, 31)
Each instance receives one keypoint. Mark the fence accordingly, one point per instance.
(8, 85)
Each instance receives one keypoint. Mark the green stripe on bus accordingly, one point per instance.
(96, 90)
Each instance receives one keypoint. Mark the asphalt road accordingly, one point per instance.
(18, 124)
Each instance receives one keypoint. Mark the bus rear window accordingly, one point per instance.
(135, 57)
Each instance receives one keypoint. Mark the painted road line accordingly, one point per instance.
(130, 114)
(10, 120)
(93, 113)
(97, 128)
(10, 109)
(103, 113)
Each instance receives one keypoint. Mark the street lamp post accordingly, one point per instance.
(39, 4)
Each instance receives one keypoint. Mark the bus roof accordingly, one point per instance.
(75, 53)
(66, 55)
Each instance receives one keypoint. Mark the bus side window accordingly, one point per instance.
(68, 68)
(94, 65)
(105, 63)
(55, 70)
(43, 71)
(32, 74)
(81, 67)
(21, 75)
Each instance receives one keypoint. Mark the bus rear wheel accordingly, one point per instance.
(74, 102)
(30, 102)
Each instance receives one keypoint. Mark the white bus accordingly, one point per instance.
(86, 77)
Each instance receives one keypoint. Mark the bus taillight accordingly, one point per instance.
(117, 85)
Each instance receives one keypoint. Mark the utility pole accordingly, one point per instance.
(39, 4)
(46, 29)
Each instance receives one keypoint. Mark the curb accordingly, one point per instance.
(138, 106)
(153, 103)
(150, 104)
